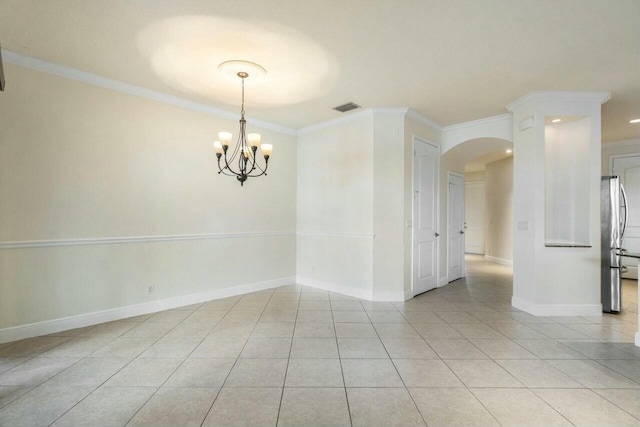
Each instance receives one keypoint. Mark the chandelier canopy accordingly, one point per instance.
(245, 152)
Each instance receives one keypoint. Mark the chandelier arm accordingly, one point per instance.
(264, 171)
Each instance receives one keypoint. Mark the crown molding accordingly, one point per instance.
(129, 89)
(414, 115)
(621, 143)
(349, 117)
(564, 95)
(477, 123)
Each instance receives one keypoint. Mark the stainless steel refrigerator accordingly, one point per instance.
(613, 219)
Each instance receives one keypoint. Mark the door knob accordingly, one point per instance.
(461, 232)
(437, 234)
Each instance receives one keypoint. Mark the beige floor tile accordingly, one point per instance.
(517, 330)
(245, 407)
(201, 373)
(149, 330)
(314, 348)
(386, 317)
(89, 372)
(400, 348)
(355, 330)
(426, 373)
(593, 375)
(518, 408)
(273, 329)
(7, 363)
(111, 329)
(314, 373)
(80, 346)
(538, 374)
(414, 317)
(451, 407)
(396, 330)
(370, 373)
(35, 371)
(351, 317)
(482, 373)
(124, 347)
(172, 407)
(106, 406)
(346, 306)
(549, 349)
(168, 347)
(627, 399)
(145, 372)
(456, 349)
(383, 407)
(502, 349)
(556, 330)
(586, 408)
(257, 373)
(628, 368)
(9, 393)
(361, 348)
(314, 305)
(219, 347)
(266, 348)
(41, 406)
(31, 347)
(436, 331)
(170, 316)
(597, 350)
(476, 330)
(314, 316)
(460, 317)
(311, 407)
(314, 330)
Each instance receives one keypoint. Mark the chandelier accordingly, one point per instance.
(244, 155)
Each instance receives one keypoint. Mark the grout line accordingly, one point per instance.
(284, 382)
(241, 350)
(344, 383)
(395, 367)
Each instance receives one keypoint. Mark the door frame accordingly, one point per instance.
(462, 261)
(416, 139)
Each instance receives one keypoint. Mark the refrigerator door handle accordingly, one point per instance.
(626, 211)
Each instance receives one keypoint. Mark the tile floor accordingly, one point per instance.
(298, 356)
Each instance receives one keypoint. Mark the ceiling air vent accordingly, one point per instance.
(346, 107)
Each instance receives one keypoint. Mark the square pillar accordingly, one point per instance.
(557, 149)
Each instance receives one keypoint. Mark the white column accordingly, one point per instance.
(556, 281)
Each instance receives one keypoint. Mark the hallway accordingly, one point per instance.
(299, 356)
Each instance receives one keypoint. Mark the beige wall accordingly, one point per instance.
(81, 162)
(499, 210)
(335, 207)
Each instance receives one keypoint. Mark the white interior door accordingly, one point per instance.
(425, 216)
(455, 221)
(628, 169)
(474, 200)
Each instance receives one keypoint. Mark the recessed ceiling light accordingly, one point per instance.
(634, 121)
(508, 151)
(556, 120)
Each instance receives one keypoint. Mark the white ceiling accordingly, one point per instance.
(450, 60)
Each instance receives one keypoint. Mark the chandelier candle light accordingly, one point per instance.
(246, 149)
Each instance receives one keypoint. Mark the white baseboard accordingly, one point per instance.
(389, 296)
(557, 309)
(335, 287)
(58, 325)
(638, 339)
(443, 281)
(497, 260)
